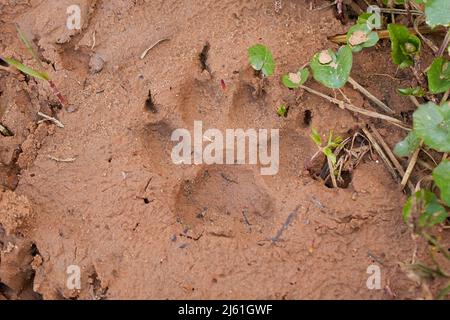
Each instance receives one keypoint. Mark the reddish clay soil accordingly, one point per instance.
(129, 217)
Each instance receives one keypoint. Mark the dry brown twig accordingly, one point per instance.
(58, 123)
(152, 46)
(61, 160)
(411, 165)
(351, 107)
(372, 98)
(390, 154)
(384, 34)
(383, 156)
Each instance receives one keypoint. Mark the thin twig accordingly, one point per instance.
(390, 154)
(427, 41)
(400, 11)
(354, 108)
(332, 176)
(94, 40)
(425, 164)
(152, 46)
(414, 101)
(436, 244)
(4, 131)
(445, 96)
(444, 45)
(61, 160)
(48, 118)
(411, 164)
(374, 99)
(383, 156)
(384, 34)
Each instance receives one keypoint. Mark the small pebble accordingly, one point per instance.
(96, 64)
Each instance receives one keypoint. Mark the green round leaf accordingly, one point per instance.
(334, 74)
(439, 76)
(441, 176)
(294, 80)
(261, 59)
(437, 12)
(408, 145)
(371, 37)
(432, 124)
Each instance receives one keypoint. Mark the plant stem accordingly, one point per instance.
(444, 44)
(427, 41)
(400, 11)
(383, 156)
(351, 107)
(445, 96)
(51, 119)
(414, 100)
(444, 292)
(374, 99)
(384, 34)
(331, 167)
(391, 156)
(436, 244)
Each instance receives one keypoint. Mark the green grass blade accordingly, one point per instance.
(28, 45)
(33, 73)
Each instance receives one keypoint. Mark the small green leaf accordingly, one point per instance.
(416, 91)
(33, 73)
(407, 209)
(364, 17)
(441, 176)
(295, 80)
(424, 203)
(261, 59)
(432, 212)
(437, 13)
(330, 155)
(28, 45)
(432, 124)
(408, 145)
(360, 36)
(332, 70)
(282, 111)
(316, 137)
(337, 141)
(439, 75)
(404, 45)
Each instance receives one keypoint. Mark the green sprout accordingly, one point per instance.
(332, 143)
(261, 59)
(41, 75)
(405, 46)
(282, 111)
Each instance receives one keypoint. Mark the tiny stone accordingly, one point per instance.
(96, 64)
